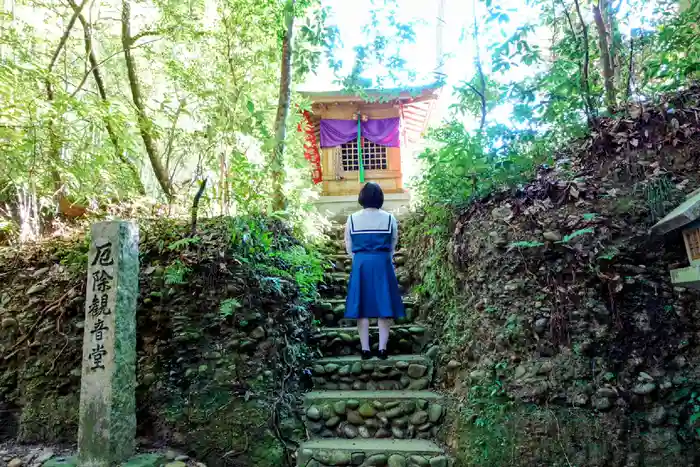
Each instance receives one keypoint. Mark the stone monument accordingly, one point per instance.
(107, 429)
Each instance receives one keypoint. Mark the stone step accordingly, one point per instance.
(337, 289)
(403, 339)
(344, 258)
(407, 302)
(371, 452)
(330, 312)
(408, 372)
(336, 277)
(373, 414)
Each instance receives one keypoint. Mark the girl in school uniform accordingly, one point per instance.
(371, 236)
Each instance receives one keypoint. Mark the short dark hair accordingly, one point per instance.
(371, 196)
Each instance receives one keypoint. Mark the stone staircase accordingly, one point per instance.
(371, 412)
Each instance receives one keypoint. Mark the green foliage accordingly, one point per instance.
(380, 49)
(75, 257)
(183, 243)
(554, 101)
(525, 245)
(658, 193)
(210, 82)
(495, 431)
(673, 53)
(229, 306)
(175, 273)
(577, 233)
(691, 429)
(255, 242)
(483, 424)
(428, 235)
(609, 253)
(467, 166)
(304, 266)
(250, 237)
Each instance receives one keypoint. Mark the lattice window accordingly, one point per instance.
(374, 156)
(692, 241)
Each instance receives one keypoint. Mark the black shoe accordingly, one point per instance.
(382, 355)
(366, 355)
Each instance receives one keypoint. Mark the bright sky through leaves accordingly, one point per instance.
(458, 45)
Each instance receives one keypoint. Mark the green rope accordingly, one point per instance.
(359, 148)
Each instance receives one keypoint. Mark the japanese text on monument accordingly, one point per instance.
(98, 310)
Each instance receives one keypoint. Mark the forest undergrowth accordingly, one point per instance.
(223, 319)
(565, 341)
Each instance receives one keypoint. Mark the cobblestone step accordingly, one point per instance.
(330, 312)
(370, 412)
(369, 452)
(373, 414)
(401, 372)
(343, 262)
(403, 339)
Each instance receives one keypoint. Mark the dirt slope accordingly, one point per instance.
(566, 302)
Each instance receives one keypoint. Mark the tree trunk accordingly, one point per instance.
(585, 83)
(605, 59)
(55, 140)
(615, 40)
(480, 71)
(101, 89)
(144, 122)
(277, 159)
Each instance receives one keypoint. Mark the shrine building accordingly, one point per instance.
(385, 127)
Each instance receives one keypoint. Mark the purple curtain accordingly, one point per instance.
(383, 131)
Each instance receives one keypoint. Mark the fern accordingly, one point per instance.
(228, 307)
(609, 253)
(175, 273)
(183, 242)
(525, 245)
(577, 233)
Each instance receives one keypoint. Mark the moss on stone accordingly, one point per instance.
(145, 460)
(50, 418)
(205, 383)
(61, 462)
(218, 422)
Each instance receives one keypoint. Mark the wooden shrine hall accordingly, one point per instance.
(386, 128)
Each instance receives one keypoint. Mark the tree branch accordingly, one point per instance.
(571, 23)
(105, 60)
(605, 59)
(144, 122)
(101, 89)
(476, 91)
(195, 206)
(285, 93)
(155, 32)
(171, 139)
(630, 69)
(586, 64)
(55, 142)
(480, 71)
(66, 35)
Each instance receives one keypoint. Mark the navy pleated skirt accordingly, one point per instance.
(373, 290)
